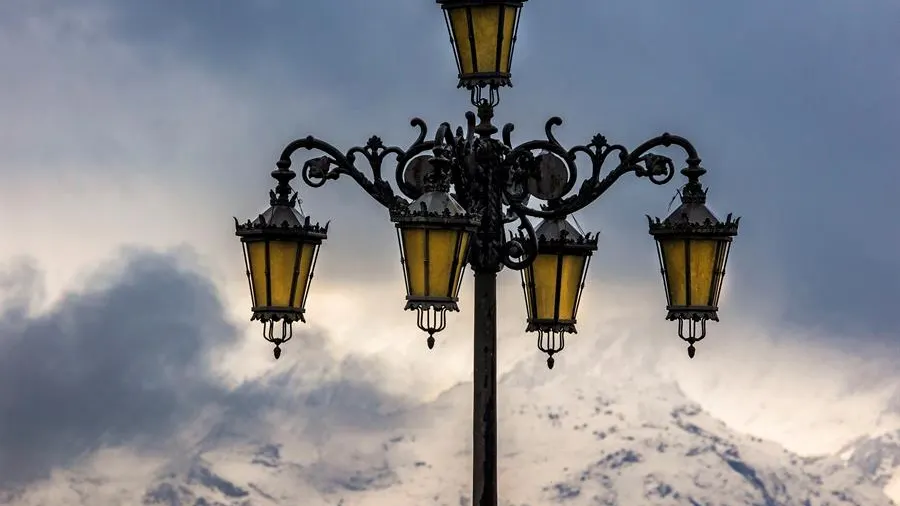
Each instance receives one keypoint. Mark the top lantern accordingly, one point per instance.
(483, 33)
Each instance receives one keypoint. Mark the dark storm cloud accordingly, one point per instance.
(121, 360)
(793, 106)
(125, 362)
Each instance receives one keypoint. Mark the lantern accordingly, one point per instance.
(280, 250)
(433, 233)
(693, 247)
(554, 281)
(483, 33)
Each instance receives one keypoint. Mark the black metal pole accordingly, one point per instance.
(484, 416)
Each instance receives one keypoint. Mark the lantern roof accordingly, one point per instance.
(560, 232)
(693, 217)
(435, 207)
(282, 219)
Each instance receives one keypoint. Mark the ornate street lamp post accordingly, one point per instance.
(460, 190)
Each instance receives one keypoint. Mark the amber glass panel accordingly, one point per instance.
(441, 252)
(282, 255)
(703, 264)
(722, 248)
(459, 24)
(457, 276)
(414, 253)
(256, 258)
(570, 285)
(673, 254)
(307, 254)
(528, 282)
(544, 269)
(509, 25)
(485, 25)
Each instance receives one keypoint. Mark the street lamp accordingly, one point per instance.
(553, 282)
(434, 233)
(693, 247)
(460, 190)
(280, 251)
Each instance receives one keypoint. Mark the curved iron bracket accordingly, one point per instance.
(657, 168)
(317, 171)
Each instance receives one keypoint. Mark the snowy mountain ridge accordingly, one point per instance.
(565, 441)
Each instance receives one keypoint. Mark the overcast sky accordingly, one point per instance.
(148, 125)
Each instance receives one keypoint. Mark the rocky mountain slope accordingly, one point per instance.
(600, 439)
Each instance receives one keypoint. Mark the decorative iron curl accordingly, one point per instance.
(551, 145)
(317, 171)
(521, 247)
(657, 168)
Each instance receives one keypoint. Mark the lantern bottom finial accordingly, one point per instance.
(551, 342)
(269, 334)
(431, 320)
(694, 333)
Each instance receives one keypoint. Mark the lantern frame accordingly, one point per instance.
(420, 216)
(479, 78)
(559, 238)
(299, 231)
(693, 221)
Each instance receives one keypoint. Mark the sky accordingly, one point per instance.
(131, 133)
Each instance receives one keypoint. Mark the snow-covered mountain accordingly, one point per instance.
(604, 438)
(878, 457)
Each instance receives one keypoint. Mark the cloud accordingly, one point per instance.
(128, 125)
(119, 360)
(128, 361)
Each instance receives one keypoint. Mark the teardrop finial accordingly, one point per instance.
(277, 352)
(691, 351)
(550, 362)
(430, 342)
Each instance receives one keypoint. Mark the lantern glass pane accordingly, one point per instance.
(703, 266)
(485, 27)
(441, 253)
(304, 271)
(509, 26)
(570, 285)
(459, 24)
(463, 238)
(256, 258)
(544, 271)
(528, 288)
(673, 255)
(414, 252)
(722, 249)
(434, 261)
(282, 258)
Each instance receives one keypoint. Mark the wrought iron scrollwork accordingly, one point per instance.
(658, 169)
(490, 177)
(317, 171)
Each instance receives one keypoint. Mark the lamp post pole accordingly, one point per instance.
(493, 183)
(484, 414)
